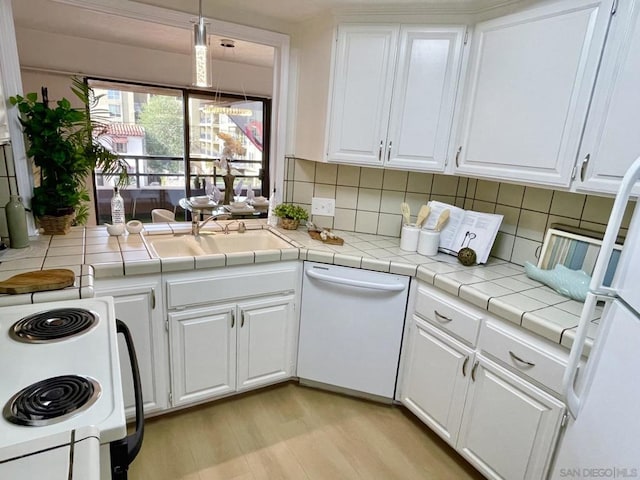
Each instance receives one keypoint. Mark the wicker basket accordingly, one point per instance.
(289, 223)
(53, 225)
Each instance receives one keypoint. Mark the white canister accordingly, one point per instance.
(428, 242)
(409, 237)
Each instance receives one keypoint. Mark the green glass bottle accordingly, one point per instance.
(16, 222)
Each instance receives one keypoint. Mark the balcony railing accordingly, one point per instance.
(160, 182)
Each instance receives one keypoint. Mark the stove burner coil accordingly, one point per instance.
(52, 400)
(53, 325)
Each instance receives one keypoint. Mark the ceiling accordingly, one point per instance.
(63, 17)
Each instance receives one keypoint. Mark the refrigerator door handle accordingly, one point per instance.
(615, 220)
(572, 398)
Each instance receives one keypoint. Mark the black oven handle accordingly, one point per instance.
(124, 451)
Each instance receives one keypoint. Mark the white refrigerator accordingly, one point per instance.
(602, 437)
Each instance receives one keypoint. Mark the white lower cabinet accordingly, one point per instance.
(496, 418)
(509, 427)
(266, 342)
(203, 353)
(231, 329)
(138, 303)
(436, 379)
(225, 348)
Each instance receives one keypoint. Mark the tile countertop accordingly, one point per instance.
(500, 287)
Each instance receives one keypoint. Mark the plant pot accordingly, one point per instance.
(56, 225)
(289, 223)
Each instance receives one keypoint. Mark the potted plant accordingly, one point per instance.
(64, 143)
(290, 215)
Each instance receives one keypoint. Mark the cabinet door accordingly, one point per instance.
(140, 307)
(266, 341)
(509, 427)
(435, 379)
(530, 80)
(203, 353)
(611, 141)
(423, 99)
(361, 96)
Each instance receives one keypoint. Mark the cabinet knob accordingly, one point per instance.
(233, 319)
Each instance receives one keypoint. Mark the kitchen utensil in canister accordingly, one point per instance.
(409, 237)
(406, 213)
(428, 242)
(423, 214)
(442, 220)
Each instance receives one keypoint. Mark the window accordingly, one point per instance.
(115, 110)
(147, 125)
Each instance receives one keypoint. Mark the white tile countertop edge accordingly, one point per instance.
(500, 287)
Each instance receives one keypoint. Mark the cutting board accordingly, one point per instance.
(38, 281)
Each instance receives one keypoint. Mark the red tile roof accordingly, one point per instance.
(125, 130)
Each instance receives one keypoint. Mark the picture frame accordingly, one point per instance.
(575, 251)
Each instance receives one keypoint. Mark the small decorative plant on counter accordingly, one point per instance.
(290, 215)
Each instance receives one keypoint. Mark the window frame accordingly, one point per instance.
(187, 93)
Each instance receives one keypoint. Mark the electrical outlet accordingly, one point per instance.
(323, 206)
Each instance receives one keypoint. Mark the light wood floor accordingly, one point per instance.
(293, 432)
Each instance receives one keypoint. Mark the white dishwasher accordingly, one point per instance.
(351, 325)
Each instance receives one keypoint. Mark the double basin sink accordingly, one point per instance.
(207, 243)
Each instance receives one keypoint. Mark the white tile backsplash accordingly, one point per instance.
(368, 201)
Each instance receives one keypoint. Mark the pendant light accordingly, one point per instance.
(219, 107)
(201, 60)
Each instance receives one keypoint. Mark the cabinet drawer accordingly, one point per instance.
(230, 283)
(525, 353)
(458, 319)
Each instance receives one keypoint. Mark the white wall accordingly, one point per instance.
(312, 44)
(40, 50)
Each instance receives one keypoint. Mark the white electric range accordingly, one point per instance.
(61, 374)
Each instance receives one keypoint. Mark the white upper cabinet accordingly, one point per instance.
(611, 140)
(529, 82)
(363, 73)
(393, 95)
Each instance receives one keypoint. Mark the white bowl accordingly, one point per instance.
(134, 226)
(117, 229)
(200, 200)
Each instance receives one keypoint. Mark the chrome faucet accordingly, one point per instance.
(241, 227)
(196, 225)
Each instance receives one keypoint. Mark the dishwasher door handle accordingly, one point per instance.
(355, 283)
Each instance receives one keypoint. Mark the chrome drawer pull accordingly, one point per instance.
(442, 318)
(518, 359)
(473, 371)
(464, 366)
